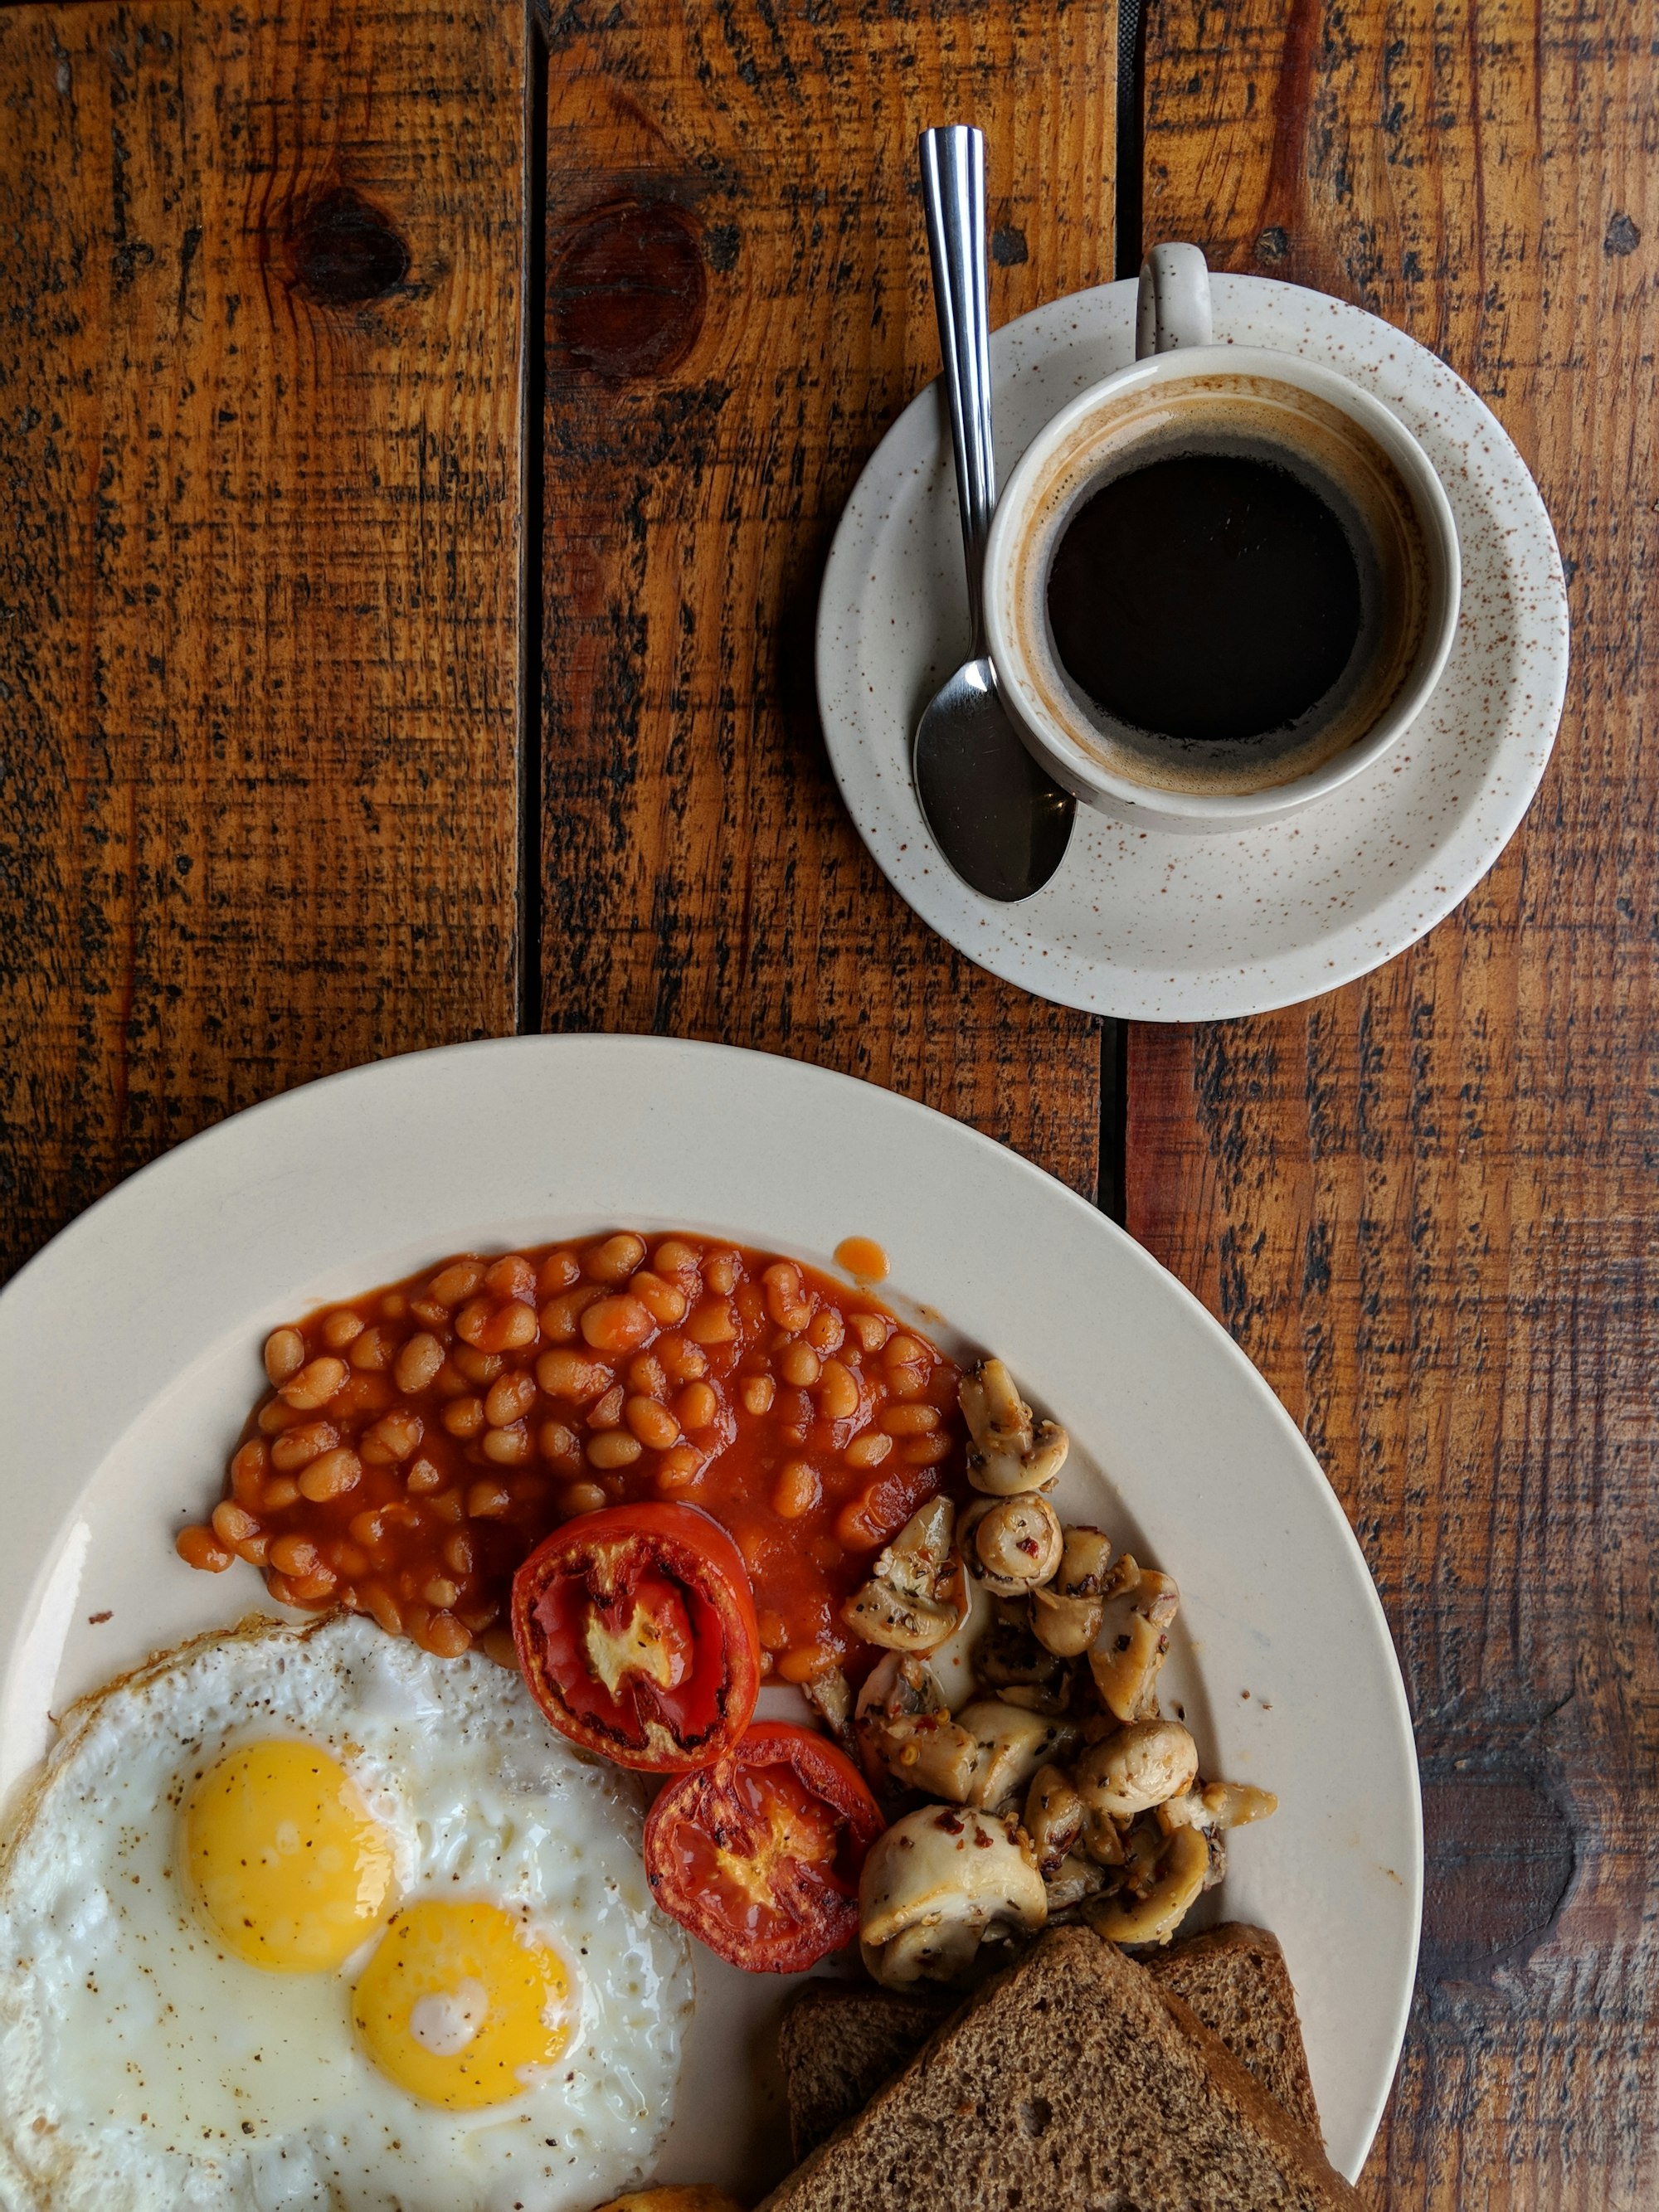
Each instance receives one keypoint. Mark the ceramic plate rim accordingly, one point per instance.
(210, 1183)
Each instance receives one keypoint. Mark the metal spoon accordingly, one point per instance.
(999, 819)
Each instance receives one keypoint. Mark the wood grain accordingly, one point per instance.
(739, 306)
(1425, 1205)
(260, 434)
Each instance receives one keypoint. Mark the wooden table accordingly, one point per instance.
(422, 429)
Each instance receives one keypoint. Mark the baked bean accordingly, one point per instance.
(428, 1311)
(926, 1451)
(480, 1368)
(510, 1328)
(315, 1588)
(347, 1560)
(331, 1475)
(807, 1664)
(673, 1257)
(394, 1306)
(378, 1601)
(418, 1363)
(869, 1449)
(785, 1301)
(711, 1323)
(443, 1636)
(569, 1374)
(511, 1277)
(871, 1330)
(909, 1420)
(368, 1530)
(279, 1493)
(556, 1273)
(374, 1351)
(663, 1302)
(497, 1644)
(561, 1317)
(295, 1555)
(902, 1351)
(424, 1476)
(607, 1415)
(774, 1630)
(682, 1362)
(460, 1555)
(654, 1424)
(439, 1591)
(391, 1438)
(615, 1260)
(679, 1469)
(757, 1394)
(797, 1491)
(248, 1470)
(456, 1282)
(697, 1406)
(297, 1447)
(463, 1417)
(450, 1505)
(826, 1331)
(617, 1324)
(342, 1329)
(560, 1445)
(507, 1447)
(646, 1376)
(906, 1381)
(315, 1384)
(275, 1417)
(285, 1354)
(612, 1448)
(838, 1391)
(233, 1524)
(720, 1271)
(197, 1547)
(799, 1365)
(583, 1497)
(487, 1501)
(510, 1399)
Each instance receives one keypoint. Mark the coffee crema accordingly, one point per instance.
(1211, 598)
(1222, 585)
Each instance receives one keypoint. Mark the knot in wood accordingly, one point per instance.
(342, 250)
(627, 289)
(1499, 1860)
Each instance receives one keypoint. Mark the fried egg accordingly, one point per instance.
(304, 1917)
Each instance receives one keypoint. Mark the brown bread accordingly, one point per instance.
(840, 2040)
(1071, 2080)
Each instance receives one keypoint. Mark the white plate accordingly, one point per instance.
(130, 1353)
(1163, 926)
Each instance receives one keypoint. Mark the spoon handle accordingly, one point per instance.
(953, 192)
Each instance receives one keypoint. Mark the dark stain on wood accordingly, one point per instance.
(341, 250)
(627, 288)
(1500, 1859)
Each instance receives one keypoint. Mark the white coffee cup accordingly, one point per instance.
(1364, 463)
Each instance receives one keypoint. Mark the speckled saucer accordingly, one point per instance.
(1163, 926)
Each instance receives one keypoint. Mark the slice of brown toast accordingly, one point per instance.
(1071, 2080)
(840, 2040)
(1235, 1979)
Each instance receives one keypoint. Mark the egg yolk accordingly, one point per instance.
(285, 1858)
(459, 2003)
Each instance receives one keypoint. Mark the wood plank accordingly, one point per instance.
(260, 419)
(739, 306)
(1425, 1205)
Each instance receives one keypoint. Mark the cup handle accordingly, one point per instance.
(1174, 307)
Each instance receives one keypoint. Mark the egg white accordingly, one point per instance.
(141, 2065)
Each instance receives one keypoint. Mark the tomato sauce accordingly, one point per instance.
(418, 1442)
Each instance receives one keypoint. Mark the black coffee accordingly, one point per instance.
(1208, 597)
